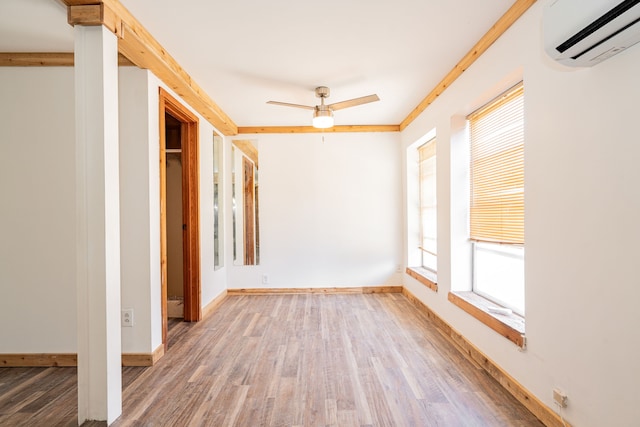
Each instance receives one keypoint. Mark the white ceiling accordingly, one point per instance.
(244, 53)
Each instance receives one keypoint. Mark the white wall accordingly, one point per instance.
(140, 210)
(214, 282)
(582, 208)
(37, 274)
(37, 208)
(330, 212)
(140, 206)
(37, 188)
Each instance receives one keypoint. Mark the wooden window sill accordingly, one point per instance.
(510, 326)
(424, 276)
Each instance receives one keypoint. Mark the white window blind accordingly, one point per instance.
(497, 169)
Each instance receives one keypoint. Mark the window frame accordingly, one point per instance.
(414, 267)
(496, 165)
(498, 299)
(431, 147)
(509, 324)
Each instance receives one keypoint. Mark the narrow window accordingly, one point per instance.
(218, 228)
(428, 213)
(497, 199)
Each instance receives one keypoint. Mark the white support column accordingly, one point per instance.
(98, 224)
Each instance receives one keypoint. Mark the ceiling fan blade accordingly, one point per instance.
(353, 102)
(286, 104)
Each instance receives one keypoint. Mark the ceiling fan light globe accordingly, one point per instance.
(322, 122)
(322, 119)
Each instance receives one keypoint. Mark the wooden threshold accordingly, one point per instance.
(472, 353)
(353, 290)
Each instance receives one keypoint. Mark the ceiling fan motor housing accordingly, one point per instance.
(322, 92)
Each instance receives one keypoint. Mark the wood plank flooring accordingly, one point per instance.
(288, 360)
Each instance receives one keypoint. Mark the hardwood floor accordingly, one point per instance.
(288, 360)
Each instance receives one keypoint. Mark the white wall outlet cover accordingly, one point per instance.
(126, 318)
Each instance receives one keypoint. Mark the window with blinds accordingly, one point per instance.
(497, 170)
(428, 213)
(497, 199)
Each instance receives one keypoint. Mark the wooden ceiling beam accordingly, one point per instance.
(94, 15)
(518, 8)
(311, 129)
(46, 59)
(28, 59)
(139, 46)
(248, 149)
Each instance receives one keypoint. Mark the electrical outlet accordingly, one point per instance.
(398, 268)
(265, 279)
(560, 398)
(126, 319)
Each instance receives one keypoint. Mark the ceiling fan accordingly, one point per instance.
(323, 114)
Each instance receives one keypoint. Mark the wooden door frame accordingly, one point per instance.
(249, 216)
(190, 209)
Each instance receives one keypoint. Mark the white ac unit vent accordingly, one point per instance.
(582, 33)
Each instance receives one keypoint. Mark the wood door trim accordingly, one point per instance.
(190, 205)
(248, 193)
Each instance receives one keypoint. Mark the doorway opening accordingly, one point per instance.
(179, 210)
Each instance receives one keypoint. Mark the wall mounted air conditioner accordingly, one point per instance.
(582, 33)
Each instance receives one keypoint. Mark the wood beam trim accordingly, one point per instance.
(159, 61)
(94, 15)
(137, 44)
(27, 59)
(46, 59)
(145, 52)
(248, 149)
(512, 15)
(80, 2)
(311, 129)
(90, 15)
